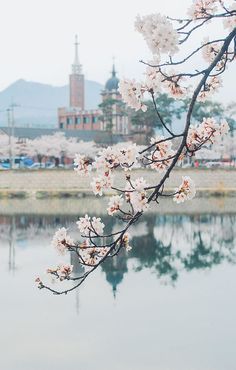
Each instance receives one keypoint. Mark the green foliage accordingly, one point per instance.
(205, 109)
(107, 107)
(213, 109)
(171, 109)
(168, 108)
(107, 110)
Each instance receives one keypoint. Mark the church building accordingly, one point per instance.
(112, 115)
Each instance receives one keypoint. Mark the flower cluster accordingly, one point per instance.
(114, 204)
(92, 255)
(82, 164)
(159, 33)
(136, 194)
(153, 78)
(109, 159)
(230, 22)
(207, 132)
(173, 85)
(128, 156)
(132, 94)
(101, 183)
(185, 191)
(61, 240)
(90, 226)
(210, 51)
(162, 154)
(202, 8)
(209, 88)
(62, 272)
(125, 241)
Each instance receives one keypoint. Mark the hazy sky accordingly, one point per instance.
(37, 37)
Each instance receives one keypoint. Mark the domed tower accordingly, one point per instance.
(115, 118)
(113, 83)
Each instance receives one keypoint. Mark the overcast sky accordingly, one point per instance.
(37, 36)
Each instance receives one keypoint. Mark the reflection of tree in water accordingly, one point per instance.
(166, 244)
(176, 243)
(152, 253)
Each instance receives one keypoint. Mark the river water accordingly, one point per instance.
(167, 305)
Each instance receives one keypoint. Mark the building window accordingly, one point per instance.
(94, 119)
(69, 121)
(85, 119)
(77, 120)
(61, 125)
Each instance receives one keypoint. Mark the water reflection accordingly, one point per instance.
(166, 244)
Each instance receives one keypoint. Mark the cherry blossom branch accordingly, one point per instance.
(138, 195)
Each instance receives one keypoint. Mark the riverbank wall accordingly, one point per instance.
(67, 183)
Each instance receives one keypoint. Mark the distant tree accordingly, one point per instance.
(170, 109)
(148, 121)
(107, 107)
(230, 112)
(213, 109)
(205, 109)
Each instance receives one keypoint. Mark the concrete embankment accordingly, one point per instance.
(98, 206)
(64, 183)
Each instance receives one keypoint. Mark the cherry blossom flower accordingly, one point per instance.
(61, 272)
(101, 183)
(162, 155)
(202, 8)
(112, 157)
(114, 204)
(210, 51)
(92, 256)
(64, 271)
(230, 22)
(140, 184)
(186, 190)
(108, 159)
(125, 241)
(97, 185)
(82, 164)
(61, 240)
(207, 132)
(132, 94)
(210, 87)
(159, 33)
(136, 194)
(224, 127)
(128, 156)
(153, 79)
(173, 85)
(39, 283)
(88, 226)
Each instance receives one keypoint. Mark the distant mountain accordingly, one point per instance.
(38, 102)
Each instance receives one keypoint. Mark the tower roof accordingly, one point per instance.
(113, 82)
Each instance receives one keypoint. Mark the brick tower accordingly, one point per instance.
(77, 82)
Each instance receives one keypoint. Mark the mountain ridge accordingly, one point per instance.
(37, 103)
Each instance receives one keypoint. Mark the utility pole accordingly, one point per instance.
(11, 127)
(9, 136)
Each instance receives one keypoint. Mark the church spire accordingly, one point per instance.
(76, 66)
(113, 72)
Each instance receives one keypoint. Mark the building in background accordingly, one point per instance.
(111, 116)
